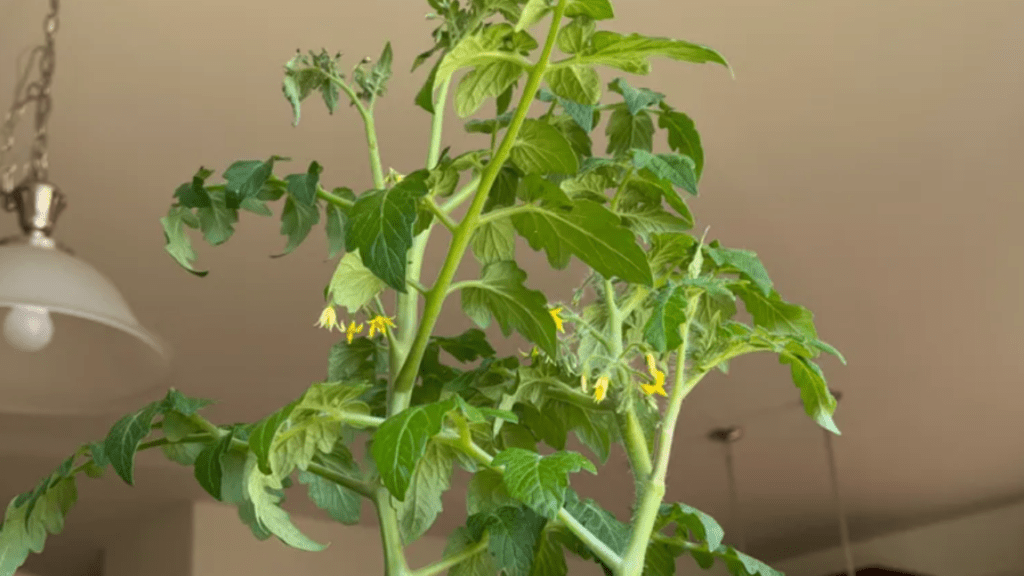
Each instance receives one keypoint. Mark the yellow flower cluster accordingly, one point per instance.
(329, 320)
(601, 385)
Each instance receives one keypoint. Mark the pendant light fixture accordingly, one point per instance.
(70, 342)
(844, 531)
(728, 437)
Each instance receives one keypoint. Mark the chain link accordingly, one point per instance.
(38, 92)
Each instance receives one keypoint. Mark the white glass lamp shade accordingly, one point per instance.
(91, 355)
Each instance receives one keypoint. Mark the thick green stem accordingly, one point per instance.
(461, 236)
(654, 492)
(394, 557)
(371, 143)
(460, 196)
(336, 200)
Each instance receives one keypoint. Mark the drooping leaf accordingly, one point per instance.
(23, 532)
(476, 49)
(669, 313)
(632, 53)
(340, 503)
(481, 564)
(468, 346)
(513, 534)
(548, 559)
(262, 437)
(776, 315)
(494, 241)
(601, 523)
(373, 83)
(580, 84)
(589, 231)
(596, 9)
(400, 442)
(334, 225)
(676, 168)
(500, 293)
(483, 82)
(208, 469)
(818, 401)
(627, 131)
(194, 194)
(422, 504)
(704, 528)
(246, 178)
(425, 97)
(533, 11)
(357, 361)
(745, 261)
(353, 285)
(487, 492)
(380, 227)
(541, 149)
(125, 436)
(268, 514)
(682, 136)
(306, 74)
(636, 99)
(184, 405)
(297, 219)
(177, 242)
(540, 481)
(303, 187)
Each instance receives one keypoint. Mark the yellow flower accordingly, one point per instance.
(328, 319)
(380, 323)
(532, 353)
(601, 388)
(659, 378)
(583, 383)
(558, 321)
(352, 330)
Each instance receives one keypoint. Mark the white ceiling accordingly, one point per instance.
(868, 150)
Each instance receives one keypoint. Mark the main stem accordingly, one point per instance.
(461, 236)
(654, 491)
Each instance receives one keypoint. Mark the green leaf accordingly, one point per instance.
(540, 481)
(548, 560)
(533, 11)
(595, 235)
(400, 442)
(262, 437)
(305, 74)
(739, 564)
(353, 285)
(575, 36)
(355, 361)
(541, 149)
(631, 53)
(636, 98)
(175, 427)
(334, 221)
(184, 405)
(315, 425)
(487, 492)
(268, 514)
(500, 292)
(682, 136)
(425, 97)
(485, 81)
(380, 227)
(494, 241)
(669, 313)
(184, 454)
(177, 242)
(513, 534)
(474, 50)
(24, 531)
(580, 84)
(208, 469)
(373, 83)
(468, 346)
(746, 262)
(302, 187)
(297, 219)
(256, 206)
(626, 131)
(194, 194)
(340, 503)
(596, 9)
(776, 315)
(422, 502)
(481, 564)
(676, 168)
(598, 521)
(246, 178)
(703, 527)
(124, 437)
(818, 401)
(660, 559)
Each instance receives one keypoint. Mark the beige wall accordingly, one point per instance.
(986, 544)
(155, 545)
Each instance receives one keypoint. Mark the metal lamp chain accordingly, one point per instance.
(38, 92)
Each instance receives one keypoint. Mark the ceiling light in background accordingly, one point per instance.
(70, 342)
